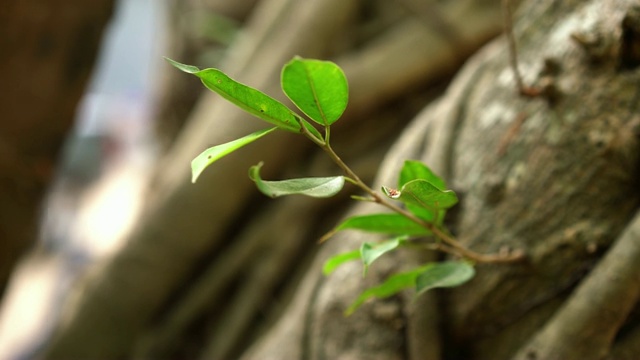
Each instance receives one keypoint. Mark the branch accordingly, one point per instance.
(454, 246)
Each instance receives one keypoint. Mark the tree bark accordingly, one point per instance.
(48, 50)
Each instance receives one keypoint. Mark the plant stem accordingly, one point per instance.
(453, 245)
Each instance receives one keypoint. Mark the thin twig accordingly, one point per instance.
(513, 52)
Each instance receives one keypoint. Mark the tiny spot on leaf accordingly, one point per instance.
(392, 193)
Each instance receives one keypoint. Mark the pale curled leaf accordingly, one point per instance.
(443, 275)
(391, 192)
(319, 187)
(212, 154)
(370, 252)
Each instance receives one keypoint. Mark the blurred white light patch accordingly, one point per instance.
(98, 199)
(108, 211)
(30, 304)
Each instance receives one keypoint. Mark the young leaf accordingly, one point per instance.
(388, 223)
(318, 88)
(333, 262)
(319, 187)
(414, 170)
(444, 274)
(247, 98)
(212, 154)
(424, 194)
(389, 287)
(369, 252)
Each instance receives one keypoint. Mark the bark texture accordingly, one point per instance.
(48, 51)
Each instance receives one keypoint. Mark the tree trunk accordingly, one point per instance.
(554, 175)
(48, 50)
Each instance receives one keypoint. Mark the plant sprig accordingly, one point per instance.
(319, 89)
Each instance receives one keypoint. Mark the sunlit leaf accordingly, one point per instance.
(318, 187)
(391, 286)
(332, 263)
(212, 154)
(444, 274)
(317, 88)
(247, 98)
(369, 252)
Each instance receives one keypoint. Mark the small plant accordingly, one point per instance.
(418, 204)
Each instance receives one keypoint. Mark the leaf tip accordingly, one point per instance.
(194, 171)
(190, 69)
(195, 174)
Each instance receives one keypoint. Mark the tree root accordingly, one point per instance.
(585, 327)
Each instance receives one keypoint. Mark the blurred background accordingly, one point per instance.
(107, 248)
(102, 157)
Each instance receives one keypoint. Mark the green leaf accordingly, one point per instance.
(415, 170)
(390, 223)
(332, 263)
(247, 98)
(444, 274)
(318, 88)
(369, 252)
(387, 223)
(319, 187)
(212, 154)
(424, 194)
(391, 286)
